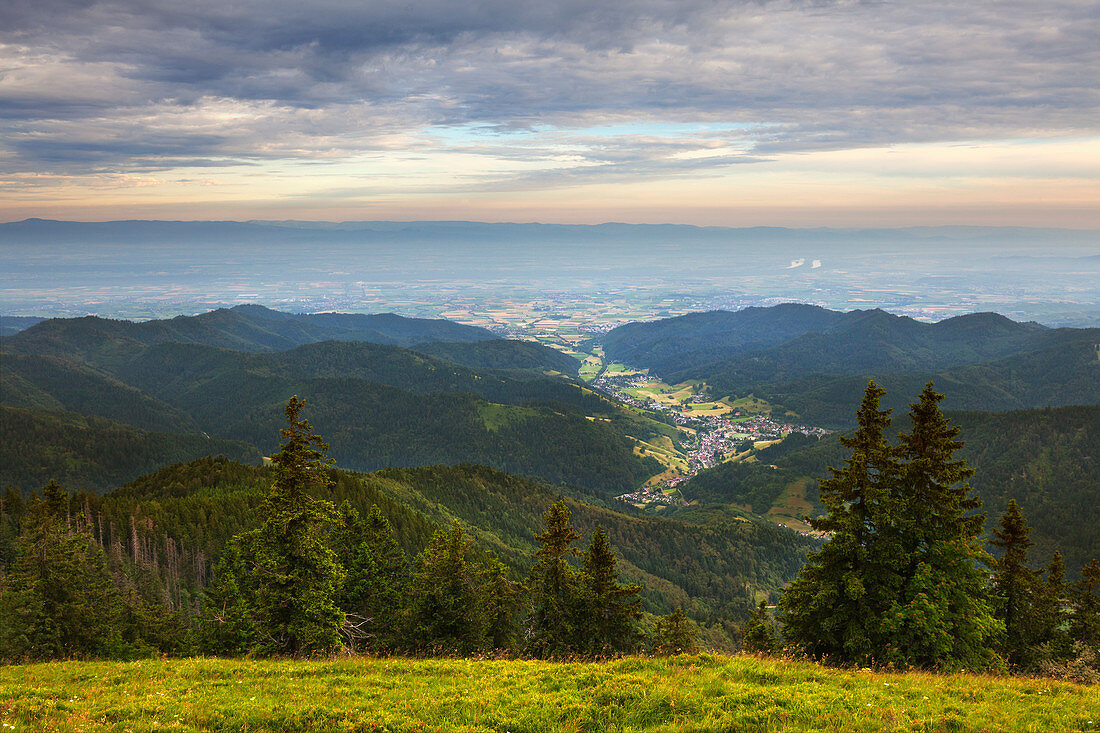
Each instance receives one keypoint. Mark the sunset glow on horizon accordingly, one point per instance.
(741, 114)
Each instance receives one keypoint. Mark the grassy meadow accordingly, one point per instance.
(691, 693)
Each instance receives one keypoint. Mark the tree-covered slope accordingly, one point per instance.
(52, 383)
(92, 453)
(711, 569)
(1063, 374)
(1045, 459)
(249, 328)
(502, 354)
(815, 362)
(877, 342)
(674, 344)
(379, 405)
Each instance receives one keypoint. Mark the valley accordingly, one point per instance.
(680, 436)
(711, 431)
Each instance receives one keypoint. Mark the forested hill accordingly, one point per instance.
(379, 405)
(188, 512)
(816, 362)
(250, 328)
(93, 453)
(1045, 459)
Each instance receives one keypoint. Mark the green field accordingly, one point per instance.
(751, 405)
(694, 693)
(591, 366)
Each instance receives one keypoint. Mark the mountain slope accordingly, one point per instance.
(1046, 459)
(92, 453)
(815, 362)
(1057, 376)
(712, 569)
(380, 405)
(249, 328)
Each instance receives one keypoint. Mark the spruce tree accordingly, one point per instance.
(281, 588)
(832, 609)
(553, 588)
(900, 579)
(501, 599)
(1086, 606)
(1051, 633)
(59, 599)
(227, 623)
(942, 616)
(674, 634)
(1015, 585)
(610, 610)
(446, 612)
(376, 574)
(759, 634)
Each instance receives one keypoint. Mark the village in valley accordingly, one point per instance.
(710, 431)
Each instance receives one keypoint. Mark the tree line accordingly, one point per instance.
(312, 578)
(904, 579)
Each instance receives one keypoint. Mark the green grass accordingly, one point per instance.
(495, 416)
(700, 693)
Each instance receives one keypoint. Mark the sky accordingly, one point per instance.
(791, 113)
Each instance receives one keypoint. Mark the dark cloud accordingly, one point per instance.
(128, 83)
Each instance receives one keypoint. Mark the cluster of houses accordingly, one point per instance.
(716, 438)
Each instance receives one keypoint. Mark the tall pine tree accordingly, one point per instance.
(833, 608)
(59, 599)
(277, 589)
(900, 579)
(942, 616)
(376, 575)
(609, 610)
(553, 588)
(1015, 585)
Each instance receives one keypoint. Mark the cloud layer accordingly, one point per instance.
(546, 93)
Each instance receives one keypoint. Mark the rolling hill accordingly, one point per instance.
(815, 362)
(380, 405)
(707, 567)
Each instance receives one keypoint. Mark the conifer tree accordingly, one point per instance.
(674, 634)
(1051, 634)
(297, 576)
(553, 588)
(376, 573)
(610, 610)
(227, 624)
(833, 608)
(759, 634)
(1015, 585)
(502, 601)
(446, 613)
(1086, 606)
(284, 583)
(942, 616)
(900, 578)
(59, 599)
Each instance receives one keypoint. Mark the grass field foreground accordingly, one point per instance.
(691, 693)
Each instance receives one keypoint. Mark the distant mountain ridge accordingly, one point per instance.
(52, 230)
(251, 328)
(816, 361)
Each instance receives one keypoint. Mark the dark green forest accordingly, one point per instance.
(161, 540)
(815, 362)
(471, 512)
(377, 404)
(1044, 459)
